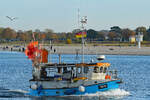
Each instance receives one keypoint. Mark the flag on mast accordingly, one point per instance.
(79, 35)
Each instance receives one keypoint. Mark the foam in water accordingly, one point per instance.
(115, 92)
(110, 93)
(12, 93)
(18, 91)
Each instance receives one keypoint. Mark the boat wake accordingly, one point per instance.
(116, 93)
(7, 93)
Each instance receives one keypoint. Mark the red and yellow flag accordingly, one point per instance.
(79, 35)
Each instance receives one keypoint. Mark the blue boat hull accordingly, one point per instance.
(97, 87)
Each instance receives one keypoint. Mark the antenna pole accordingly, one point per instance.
(83, 21)
(82, 43)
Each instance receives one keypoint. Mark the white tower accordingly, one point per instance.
(139, 39)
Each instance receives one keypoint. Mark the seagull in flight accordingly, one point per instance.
(11, 18)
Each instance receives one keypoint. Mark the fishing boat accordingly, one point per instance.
(63, 79)
(72, 79)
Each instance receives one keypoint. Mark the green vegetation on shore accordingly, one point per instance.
(104, 43)
(113, 37)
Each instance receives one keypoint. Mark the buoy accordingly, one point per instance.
(81, 88)
(34, 86)
(101, 57)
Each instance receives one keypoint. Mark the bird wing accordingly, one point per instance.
(15, 18)
(9, 17)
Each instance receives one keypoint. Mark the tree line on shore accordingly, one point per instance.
(114, 34)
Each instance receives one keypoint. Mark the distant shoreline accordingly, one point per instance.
(101, 50)
(104, 50)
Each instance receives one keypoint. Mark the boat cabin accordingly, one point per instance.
(69, 72)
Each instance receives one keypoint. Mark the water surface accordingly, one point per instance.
(16, 70)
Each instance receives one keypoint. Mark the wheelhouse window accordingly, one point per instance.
(105, 70)
(101, 69)
(96, 70)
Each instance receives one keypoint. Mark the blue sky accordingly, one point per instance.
(61, 15)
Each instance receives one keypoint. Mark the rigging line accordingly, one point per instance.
(78, 13)
(78, 17)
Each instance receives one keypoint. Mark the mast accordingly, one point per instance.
(83, 22)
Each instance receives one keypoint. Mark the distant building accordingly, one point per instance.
(132, 39)
(104, 34)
